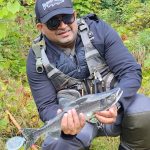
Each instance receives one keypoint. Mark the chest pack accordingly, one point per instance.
(100, 79)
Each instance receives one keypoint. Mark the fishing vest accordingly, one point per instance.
(100, 79)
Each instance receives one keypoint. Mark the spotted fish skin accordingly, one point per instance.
(87, 104)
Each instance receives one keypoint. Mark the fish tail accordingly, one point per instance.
(30, 136)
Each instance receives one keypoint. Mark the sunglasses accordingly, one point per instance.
(54, 22)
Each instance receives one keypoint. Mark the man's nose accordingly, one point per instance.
(62, 25)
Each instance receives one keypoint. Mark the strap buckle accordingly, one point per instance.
(81, 25)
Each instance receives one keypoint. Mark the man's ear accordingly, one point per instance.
(39, 26)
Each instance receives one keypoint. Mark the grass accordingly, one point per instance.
(105, 143)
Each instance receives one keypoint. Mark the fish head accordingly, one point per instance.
(110, 98)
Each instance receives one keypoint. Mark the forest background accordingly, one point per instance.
(131, 18)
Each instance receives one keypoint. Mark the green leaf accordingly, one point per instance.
(1, 1)
(147, 61)
(3, 13)
(3, 123)
(3, 30)
(13, 7)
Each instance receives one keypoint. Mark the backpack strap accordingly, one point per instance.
(94, 60)
(96, 64)
(37, 46)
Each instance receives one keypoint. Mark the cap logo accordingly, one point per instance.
(51, 3)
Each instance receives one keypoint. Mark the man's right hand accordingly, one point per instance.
(72, 123)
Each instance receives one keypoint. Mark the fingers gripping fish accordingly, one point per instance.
(87, 104)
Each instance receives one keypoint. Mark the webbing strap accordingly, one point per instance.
(52, 72)
(45, 59)
(84, 31)
(96, 64)
(37, 50)
(94, 60)
(91, 53)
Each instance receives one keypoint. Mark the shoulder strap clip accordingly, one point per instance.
(37, 51)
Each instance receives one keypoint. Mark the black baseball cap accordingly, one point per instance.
(46, 9)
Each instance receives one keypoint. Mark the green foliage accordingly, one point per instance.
(144, 38)
(138, 42)
(3, 123)
(146, 78)
(114, 8)
(84, 7)
(136, 15)
(147, 63)
(7, 16)
(13, 49)
(106, 4)
(117, 5)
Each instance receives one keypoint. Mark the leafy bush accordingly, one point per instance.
(84, 7)
(7, 16)
(115, 8)
(144, 38)
(136, 15)
(15, 25)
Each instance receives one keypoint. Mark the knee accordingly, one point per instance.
(136, 123)
(136, 130)
(137, 114)
(139, 104)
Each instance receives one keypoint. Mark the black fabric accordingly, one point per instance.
(67, 136)
(121, 148)
(136, 124)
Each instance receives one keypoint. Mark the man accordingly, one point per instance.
(65, 50)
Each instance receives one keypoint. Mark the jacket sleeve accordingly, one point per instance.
(43, 92)
(120, 61)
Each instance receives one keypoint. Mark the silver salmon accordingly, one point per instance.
(87, 104)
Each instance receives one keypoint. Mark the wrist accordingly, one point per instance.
(67, 136)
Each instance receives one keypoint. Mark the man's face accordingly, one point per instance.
(64, 34)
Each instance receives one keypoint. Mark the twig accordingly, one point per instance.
(33, 147)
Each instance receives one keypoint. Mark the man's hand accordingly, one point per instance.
(108, 116)
(71, 122)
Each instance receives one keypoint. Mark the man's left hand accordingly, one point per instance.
(107, 117)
